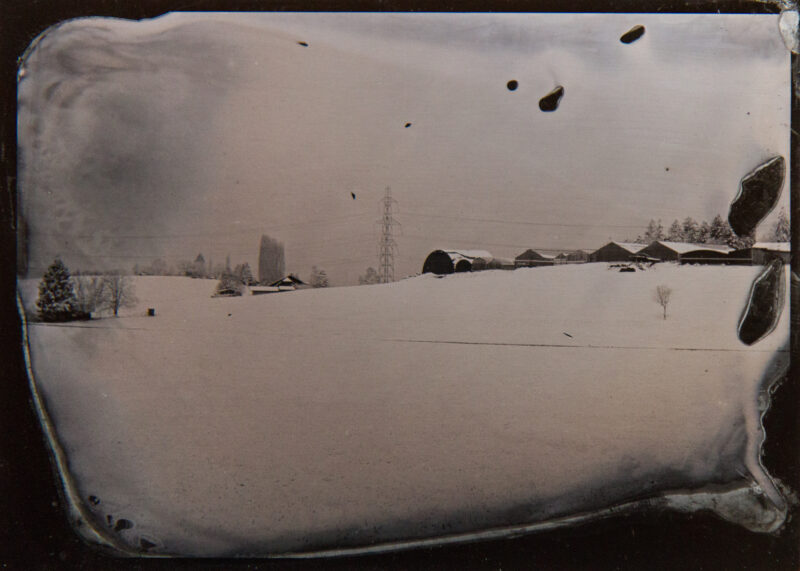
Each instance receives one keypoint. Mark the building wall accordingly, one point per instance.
(661, 252)
(705, 257)
(610, 253)
(438, 262)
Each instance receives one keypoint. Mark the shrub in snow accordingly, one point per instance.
(229, 285)
(57, 301)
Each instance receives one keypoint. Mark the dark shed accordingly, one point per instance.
(615, 252)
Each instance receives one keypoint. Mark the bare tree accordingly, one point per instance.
(89, 293)
(663, 293)
(118, 292)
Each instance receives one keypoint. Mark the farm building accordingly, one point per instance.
(615, 252)
(479, 264)
(286, 283)
(532, 258)
(449, 261)
(573, 257)
(686, 252)
(761, 253)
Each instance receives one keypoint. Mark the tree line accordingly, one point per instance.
(63, 297)
(718, 231)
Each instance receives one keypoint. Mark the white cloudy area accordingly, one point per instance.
(422, 409)
(200, 132)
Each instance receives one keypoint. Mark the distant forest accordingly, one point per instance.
(717, 232)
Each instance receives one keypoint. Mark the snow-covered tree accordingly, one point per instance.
(371, 277)
(781, 231)
(719, 231)
(703, 233)
(230, 285)
(655, 231)
(675, 233)
(690, 229)
(318, 277)
(57, 299)
(244, 274)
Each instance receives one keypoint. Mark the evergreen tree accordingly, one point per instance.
(703, 233)
(719, 231)
(690, 229)
(675, 232)
(57, 301)
(655, 231)
(781, 232)
(271, 260)
(199, 267)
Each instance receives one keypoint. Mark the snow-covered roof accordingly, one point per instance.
(773, 246)
(683, 247)
(468, 254)
(632, 247)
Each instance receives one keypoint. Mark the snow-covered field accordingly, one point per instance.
(429, 407)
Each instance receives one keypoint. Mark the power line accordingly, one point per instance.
(521, 222)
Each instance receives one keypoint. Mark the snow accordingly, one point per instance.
(430, 407)
(773, 246)
(632, 247)
(684, 247)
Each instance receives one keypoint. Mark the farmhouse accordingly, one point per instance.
(686, 253)
(761, 253)
(449, 261)
(286, 283)
(532, 258)
(616, 252)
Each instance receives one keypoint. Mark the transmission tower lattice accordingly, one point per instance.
(387, 247)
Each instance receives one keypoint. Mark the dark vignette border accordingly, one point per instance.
(34, 531)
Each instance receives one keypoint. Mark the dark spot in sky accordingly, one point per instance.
(123, 523)
(408, 125)
(512, 85)
(353, 194)
(567, 334)
(759, 191)
(229, 315)
(765, 304)
(666, 169)
(94, 500)
(748, 112)
(550, 101)
(632, 35)
(304, 44)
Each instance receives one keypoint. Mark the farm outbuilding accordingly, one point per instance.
(450, 261)
(761, 253)
(286, 283)
(531, 258)
(616, 252)
(480, 264)
(686, 252)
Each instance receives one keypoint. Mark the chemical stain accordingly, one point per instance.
(632, 35)
(765, 304)
(550, 101)
(759, 191)
(512, 85)
(304, 44)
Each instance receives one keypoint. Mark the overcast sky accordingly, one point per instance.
(199, 132)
